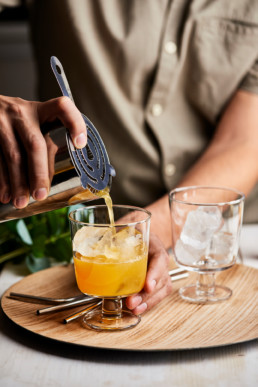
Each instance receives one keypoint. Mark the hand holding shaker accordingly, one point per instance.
(75, 171)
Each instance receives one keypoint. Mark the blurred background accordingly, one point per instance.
(17, 71)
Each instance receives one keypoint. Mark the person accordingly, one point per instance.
(172, 88)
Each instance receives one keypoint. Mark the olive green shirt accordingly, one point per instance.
(153, 76)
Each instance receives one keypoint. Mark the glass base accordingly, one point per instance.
(191, 293)
(96, 320)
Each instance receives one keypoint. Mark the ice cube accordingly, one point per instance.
(105, 240)
(133, 247)
(222, 243)
(133, 241)
(86, 238)
(200, 225)
(188, 255)
(112, 244)
(129, 243)
(120, 237)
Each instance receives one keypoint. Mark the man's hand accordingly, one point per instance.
(158, 282)
(24, 164)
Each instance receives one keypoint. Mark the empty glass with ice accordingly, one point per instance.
(206, 225)
(110, 260)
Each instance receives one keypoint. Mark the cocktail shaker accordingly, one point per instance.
(76, 174)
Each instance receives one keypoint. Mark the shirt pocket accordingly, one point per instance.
(220, 54)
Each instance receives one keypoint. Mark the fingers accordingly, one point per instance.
(158, 282)
(5, 189)
(64, 109)
(24, 166)
(146, 302)
(27, 160)
(158, 265)
(26, 125)
(15, 165)
(52, 150)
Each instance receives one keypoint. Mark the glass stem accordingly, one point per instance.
(205, 284)
(112, 308)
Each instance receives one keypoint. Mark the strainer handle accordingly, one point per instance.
(61, 77)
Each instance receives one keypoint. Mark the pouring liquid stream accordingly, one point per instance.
(104, 194)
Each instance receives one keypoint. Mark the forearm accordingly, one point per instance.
(230, 159)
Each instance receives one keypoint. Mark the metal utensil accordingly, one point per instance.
(44, 300)
(75, 316)
(179, 277)
(67, 305)
(178, 273)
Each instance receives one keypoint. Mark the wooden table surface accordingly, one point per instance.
(30, 360)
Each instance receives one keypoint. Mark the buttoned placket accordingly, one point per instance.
(166, 65)
(165, 73)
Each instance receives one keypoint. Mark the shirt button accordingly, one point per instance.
(156, 110)
(170, 169)
(170, 47)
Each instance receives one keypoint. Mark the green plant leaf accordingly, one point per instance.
(39, 245)
(35, 264)
(3, 229)
(44, 236)
(23, 232)
(61, 250)
(54, 223)
(40, 228)
(11, 226)
(6, 234)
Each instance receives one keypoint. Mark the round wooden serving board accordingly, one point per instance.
(172, 325)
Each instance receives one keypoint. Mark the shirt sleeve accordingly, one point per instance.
(250, 81)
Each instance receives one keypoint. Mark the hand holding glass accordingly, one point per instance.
(206, 225)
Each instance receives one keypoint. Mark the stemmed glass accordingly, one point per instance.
(110, 261)
(206, 225)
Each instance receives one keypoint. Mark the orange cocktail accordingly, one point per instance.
(115, 265)
(110, 260)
